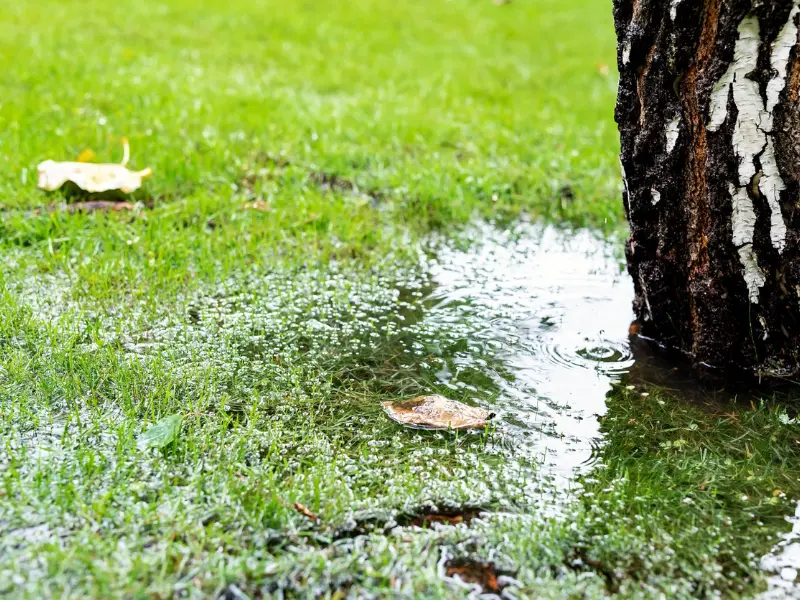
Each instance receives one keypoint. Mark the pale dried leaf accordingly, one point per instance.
(436, 412)
(90, 177)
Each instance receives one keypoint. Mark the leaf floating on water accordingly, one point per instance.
(162, 433)
(436, 412)
(91, 177)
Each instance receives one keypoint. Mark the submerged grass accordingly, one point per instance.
(276, 329)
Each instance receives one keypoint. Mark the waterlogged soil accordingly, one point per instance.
(287, 477)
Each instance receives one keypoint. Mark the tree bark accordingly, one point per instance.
(709, 119)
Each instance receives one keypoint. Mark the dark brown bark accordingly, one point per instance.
(680, 172)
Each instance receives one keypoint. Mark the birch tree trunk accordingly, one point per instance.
(709, 119)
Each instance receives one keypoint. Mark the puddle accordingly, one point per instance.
(551, 311)
(531, 324)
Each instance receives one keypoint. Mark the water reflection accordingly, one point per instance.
(555, 306)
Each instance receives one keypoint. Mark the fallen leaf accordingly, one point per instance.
(92, 177)
(436, 412)
(162, 433)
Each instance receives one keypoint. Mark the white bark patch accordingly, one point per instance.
(743, 218)
(673, 9)
(751, 134)
(748, 139)
(656, 196)
(753, 275)
(673, 131)
(626, 53)
(719, 100)
(644, 293)
(624, 176)
(771, 185)
(752, 138)
(781, 49)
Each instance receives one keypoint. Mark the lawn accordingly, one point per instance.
(316, 166)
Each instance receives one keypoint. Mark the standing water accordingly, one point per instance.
(531, 323)
(556, 308)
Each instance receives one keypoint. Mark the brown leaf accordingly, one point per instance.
(436, 412)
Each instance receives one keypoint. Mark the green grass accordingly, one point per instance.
(373, 131)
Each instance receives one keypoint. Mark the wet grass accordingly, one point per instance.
(276, 280)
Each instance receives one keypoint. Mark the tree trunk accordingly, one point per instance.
(709, 119)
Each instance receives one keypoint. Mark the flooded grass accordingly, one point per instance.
(288, 478)
(340, 215)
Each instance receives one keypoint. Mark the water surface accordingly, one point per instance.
(555, 306)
